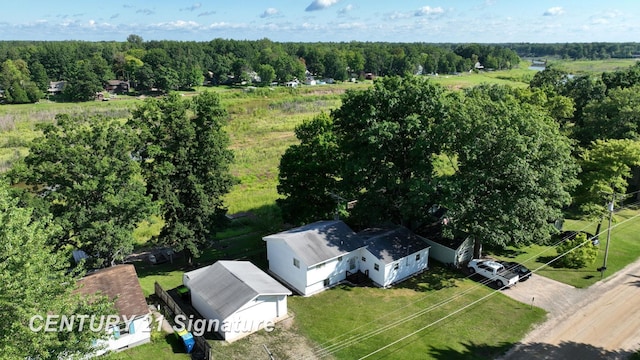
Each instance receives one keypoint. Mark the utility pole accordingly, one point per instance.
(606, 250)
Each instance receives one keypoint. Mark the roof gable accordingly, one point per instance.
(392, 244)
(320, 241)
(228, 285)
(119, 282)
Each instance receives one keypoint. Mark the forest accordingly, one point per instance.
(28, 67)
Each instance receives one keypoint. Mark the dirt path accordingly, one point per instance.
(601, 322)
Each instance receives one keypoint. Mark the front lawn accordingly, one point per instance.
(624, 249)
(352, 322)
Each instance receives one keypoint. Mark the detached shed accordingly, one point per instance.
(236, 297)
(456, 251)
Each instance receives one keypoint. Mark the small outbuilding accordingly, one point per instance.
(121, 283)
(455, 251)
(236, 298)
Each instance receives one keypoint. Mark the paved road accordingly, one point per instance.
(601, 322)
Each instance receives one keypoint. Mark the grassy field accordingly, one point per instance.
(590, 66)
(624, 248)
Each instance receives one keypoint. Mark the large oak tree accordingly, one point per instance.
(184, 155)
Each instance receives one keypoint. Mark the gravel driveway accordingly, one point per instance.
(600, 322)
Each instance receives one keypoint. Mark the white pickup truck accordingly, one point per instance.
(494, 271)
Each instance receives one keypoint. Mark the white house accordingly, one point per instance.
(317, 256)
(120, 282)
(236, 297)
(392, 254)
(313, 257)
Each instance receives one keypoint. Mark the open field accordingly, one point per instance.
(590, 66)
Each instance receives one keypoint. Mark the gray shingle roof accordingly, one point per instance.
(392, 244)
(228, 285)
(320, 241)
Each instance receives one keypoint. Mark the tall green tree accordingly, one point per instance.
(617, 116)
(84, 171)
(34, 281)
(309, 174)
(387, 137)
(82, 83)
(514, 169)
(606, 169)
(185, 157)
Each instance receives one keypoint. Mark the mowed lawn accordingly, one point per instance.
(446, 313)
(624, 248)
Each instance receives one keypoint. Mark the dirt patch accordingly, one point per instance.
(284, 342)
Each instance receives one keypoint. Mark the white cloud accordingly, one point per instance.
(398, 15)
(554, 11)
(269, 12)
(176, 25)
(193, 7)
(428, 10)
(320, 4)
(346, 9)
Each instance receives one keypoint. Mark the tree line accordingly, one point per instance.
(28, 67)
(577, 51)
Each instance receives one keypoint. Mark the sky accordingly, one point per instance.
(431, 21)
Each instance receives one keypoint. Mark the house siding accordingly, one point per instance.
(280, 258)
(407, 267)
(141, 335)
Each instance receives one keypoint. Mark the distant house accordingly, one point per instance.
(292, 84)
(56, 87)
(237, 296)
(117, 86)
(120, 282)
(320, 255)
(392, 254)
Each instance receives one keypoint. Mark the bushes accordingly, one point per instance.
(584, 252)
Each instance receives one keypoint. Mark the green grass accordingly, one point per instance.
(624, 249)
(344, 313)
(592, 66)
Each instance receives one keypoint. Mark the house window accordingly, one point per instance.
(396, 266)
(364, 259)
(327, 282)
(417, 257)
(376, 267)
(296, 263)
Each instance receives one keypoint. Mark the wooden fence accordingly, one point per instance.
(201, 343)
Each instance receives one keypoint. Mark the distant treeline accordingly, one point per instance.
(28, 67)
(577, 51)
(165, 65)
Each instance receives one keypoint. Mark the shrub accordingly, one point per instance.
(584, 254)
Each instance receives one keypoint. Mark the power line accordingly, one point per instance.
(484, 297)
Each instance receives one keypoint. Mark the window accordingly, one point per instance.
(364, 259)
(376, 267)
(296, 263)
(339, 258)
(417, 257)
(396, 266)
(327, 282)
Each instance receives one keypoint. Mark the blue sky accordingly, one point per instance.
(483, 21)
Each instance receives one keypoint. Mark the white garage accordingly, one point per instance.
(236, 297)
